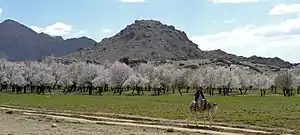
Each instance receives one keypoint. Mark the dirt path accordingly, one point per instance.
(71, 123)
(18, 124)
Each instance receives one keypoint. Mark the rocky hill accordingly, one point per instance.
(18, 42)
(144, 39)
(152, 40)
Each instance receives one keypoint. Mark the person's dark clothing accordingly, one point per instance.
(197, 95)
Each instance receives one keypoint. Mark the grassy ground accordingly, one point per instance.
(270, 111)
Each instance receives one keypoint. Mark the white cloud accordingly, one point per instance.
(106, 30)
(283, 9)
(272, 40)
(230, 21)
(234, 1)
(1, 10)
(59, 29)
(133, 1)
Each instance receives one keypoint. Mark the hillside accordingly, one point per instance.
(144, 39)
(253, 59)
(151, 40)
(18, 42)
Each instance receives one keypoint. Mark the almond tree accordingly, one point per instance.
(187, 76)
(133, 80)
(118, 74)
(210, 79)
(297, 84)
(4, 75)
(58, 71)
(285, 82)
(162, 77)
(243, 78)
(16, 75)
(63, 76)
(261, 82)
(101, 80)
(18, 81)
(73, 75)
(87, 73)
(137, 82)
(223, 79)
(146, 72)
(180, 79)
(296, 72)
(198, 78)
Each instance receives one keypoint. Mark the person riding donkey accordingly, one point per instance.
(200, 99)
(200, 104)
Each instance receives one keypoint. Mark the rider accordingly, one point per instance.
(199, 98)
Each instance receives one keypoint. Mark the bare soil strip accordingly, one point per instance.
(141, 118)
(136, 125)
(139, 122)
(16, 123)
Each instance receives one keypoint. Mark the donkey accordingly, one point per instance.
(208, 106)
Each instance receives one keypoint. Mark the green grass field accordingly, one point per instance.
(269, 111)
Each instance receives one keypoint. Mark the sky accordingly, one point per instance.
(268, 28)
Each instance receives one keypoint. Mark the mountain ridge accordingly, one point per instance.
(275, 61)
(31, 45)
(156, 40)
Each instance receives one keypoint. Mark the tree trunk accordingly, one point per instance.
(241, 91)
(100, 89)
(179, 90)
(174, 90)
(187, 89)
(90, 90)
(120, 91)
(24, 88)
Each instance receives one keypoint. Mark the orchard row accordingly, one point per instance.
(48, 74)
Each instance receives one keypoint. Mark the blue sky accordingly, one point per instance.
(244, 27)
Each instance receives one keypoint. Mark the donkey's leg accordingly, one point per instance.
(210, 117)
(204, 122)
(195, 118)
(189, 118)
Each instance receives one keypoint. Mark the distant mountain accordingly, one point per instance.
(271, 61)
(18, 42)
(253, 59)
